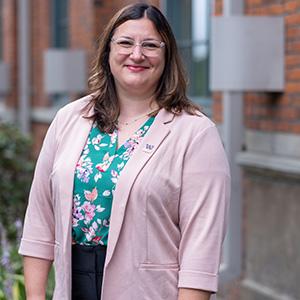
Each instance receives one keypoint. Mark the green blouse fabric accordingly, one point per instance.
(96, 176)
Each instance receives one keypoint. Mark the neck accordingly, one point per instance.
(134, 105)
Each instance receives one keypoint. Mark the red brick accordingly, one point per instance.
(254, 2)
(293, 32)
(252, 124)
(287, 113)
(260, 111)
(291, 6)
(282, 126)
(295, 128)
(217, 108)
(293, 74)
(218, 7)
(295, 102)
(292, 87)
(267, 125)
(292, 60)
(275, 9)
(293, 19)
(293, 47)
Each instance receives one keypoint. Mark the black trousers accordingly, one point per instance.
(87, 271)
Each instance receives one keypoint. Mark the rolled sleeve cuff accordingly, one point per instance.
(36, 249)
(198, 280)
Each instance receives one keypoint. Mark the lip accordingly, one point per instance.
(136, 68)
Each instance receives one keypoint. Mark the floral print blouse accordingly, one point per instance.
(96, 176)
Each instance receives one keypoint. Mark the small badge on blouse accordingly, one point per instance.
(148, 148)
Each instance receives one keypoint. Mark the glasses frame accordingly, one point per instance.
(115, 40)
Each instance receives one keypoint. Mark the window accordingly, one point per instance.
(60, 24)
(190, 23)
(59, 38)
(1, 30)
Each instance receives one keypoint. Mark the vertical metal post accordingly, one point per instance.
(233, 130)
(24, 74)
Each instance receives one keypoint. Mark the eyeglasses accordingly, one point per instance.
(149, 48)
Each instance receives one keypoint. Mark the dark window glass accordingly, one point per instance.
(190, 22)
(60, 37)
(59, 26)
(1, 29)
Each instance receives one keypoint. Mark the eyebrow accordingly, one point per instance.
(146, 39)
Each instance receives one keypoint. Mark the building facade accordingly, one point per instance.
(42, 42)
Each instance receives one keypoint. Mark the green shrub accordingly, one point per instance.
(16, 169)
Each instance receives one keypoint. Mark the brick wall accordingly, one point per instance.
(278, 112)
(86, 22)
(10, 48)
(217, 97)
(218, 7)
(40, 30)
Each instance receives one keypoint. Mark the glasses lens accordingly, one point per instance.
(149, 48)
(125, 46)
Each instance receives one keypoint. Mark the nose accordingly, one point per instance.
(137, 52)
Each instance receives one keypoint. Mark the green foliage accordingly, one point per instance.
(16, 171)
(16, 168)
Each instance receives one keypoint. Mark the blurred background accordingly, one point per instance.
(243, 61)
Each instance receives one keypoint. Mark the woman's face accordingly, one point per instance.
(136, 70)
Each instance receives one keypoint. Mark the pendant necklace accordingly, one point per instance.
(137, 118)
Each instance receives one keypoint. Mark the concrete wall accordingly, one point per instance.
(271, 235)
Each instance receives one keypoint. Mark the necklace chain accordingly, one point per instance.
(137, 118)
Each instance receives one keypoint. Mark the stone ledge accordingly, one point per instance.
(7, 114)
(252, 290)
(273, 163)
(275, 143)
(44, 114)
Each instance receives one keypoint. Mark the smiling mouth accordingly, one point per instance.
(136, 68)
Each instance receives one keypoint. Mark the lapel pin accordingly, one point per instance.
(148, 148)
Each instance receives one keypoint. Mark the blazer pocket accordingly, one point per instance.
(150, 266)
(158, 281)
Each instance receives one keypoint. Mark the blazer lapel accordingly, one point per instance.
(76, 142)
(151, 142)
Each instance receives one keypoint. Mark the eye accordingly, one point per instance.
(124, 43)
(151, 45)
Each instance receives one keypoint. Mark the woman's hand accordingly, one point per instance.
(36, 272)
(193, 294)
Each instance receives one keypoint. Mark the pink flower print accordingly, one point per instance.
(75, 222)
(102, 167)
(91, 196)
(77, 215)
(97, 139)
(97, 240)
(89, 210)
(89, 233)
(84, 168)
(106, 222)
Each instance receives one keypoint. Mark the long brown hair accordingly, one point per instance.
(171, 90)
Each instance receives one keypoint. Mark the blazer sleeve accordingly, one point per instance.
(38, 233)
(204, 202)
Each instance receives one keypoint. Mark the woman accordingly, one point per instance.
(132, 180)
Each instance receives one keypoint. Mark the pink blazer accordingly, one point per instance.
(169, 210)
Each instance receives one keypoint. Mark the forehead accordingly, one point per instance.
(142, 28)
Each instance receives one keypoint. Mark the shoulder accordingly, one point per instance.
(75, 108)
(69, 115)
(194, 124)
